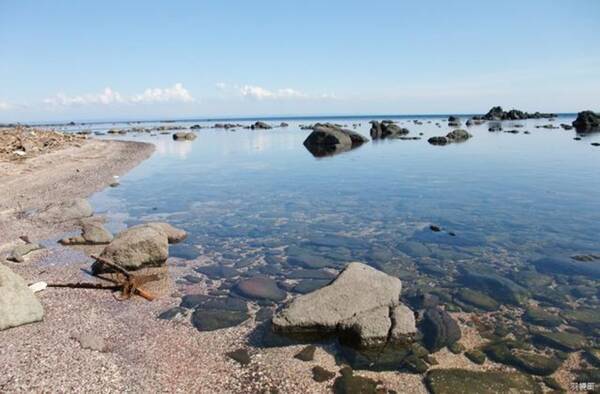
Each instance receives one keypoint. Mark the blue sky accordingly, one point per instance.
(63, 60)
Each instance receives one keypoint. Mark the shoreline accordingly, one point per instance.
(65, 174)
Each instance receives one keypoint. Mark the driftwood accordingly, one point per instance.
(125, 281)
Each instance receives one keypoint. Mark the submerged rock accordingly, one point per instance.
(350, 383)
(566, 341)
(499, 288)
(587, 121)
(75, 209)
(439, 329)
(306, 354)
(261, 289)
(569, 267)
(214, 313)
(457, 135)
(19, 252)
(240, 355)
(526, 361)
(452, 381)
(91, 234)
(18, 304)
(477, 299)
(540, 317)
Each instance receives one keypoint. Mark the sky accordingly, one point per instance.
(101, 60)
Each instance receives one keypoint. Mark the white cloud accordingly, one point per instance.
(260, 93)
(5, 105)
(176, 93)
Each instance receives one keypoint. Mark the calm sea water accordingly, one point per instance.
(525, 195)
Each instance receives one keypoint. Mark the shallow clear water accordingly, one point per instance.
(526, 195)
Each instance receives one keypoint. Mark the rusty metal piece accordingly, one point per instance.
(129, 283)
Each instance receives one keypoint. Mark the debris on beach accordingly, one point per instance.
(20, 143)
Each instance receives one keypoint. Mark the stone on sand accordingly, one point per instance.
(18, 304)
(65, 211)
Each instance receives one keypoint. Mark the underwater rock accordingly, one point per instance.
(566, 341)
(320, 374)
(540, 317)
(17, 255)
(452, 381)
(477, 299)
(500, 288)
(260, 288)
(306, 354)
(565, 266)
(439, 329)
(240, 355)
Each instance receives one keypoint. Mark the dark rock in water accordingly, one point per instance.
(587, 121)
(184, 251)
(328, 139)
(494, 128)
(306, 354)
(439, 329)
(415, 364)
(567, 341)
(192, 278)
(476, 356)
(500, 288)
(264, 314)
(435, 229)
(477, 299)
(348, 383)
(261, 125)
(260, 288)
(453, 381)
(320, 374)
(19, 251)
(307, 259)
(458, 135)
(184, 136)
(240, 355)
(595, 144)
(526, 361)
(218, 271)
(567, 267)
(310, 274)
(172, 313)
(584, 318)
(456, 348)
(438, 141)
(540, 317)
(310, 285)
(283, 124)
(497, 113)
(386, 129)
(215, 319)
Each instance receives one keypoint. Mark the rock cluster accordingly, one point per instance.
(497, 113)
(386, 129)
(361, 306)
(458, 135)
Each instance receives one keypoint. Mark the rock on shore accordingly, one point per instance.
(18, 304)
(361, 305)
(145, 245)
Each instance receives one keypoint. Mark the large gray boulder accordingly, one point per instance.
(587, 121)
(144, 245)
(138, 247)
(358, 305)
(65, 211)
(18, 304)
